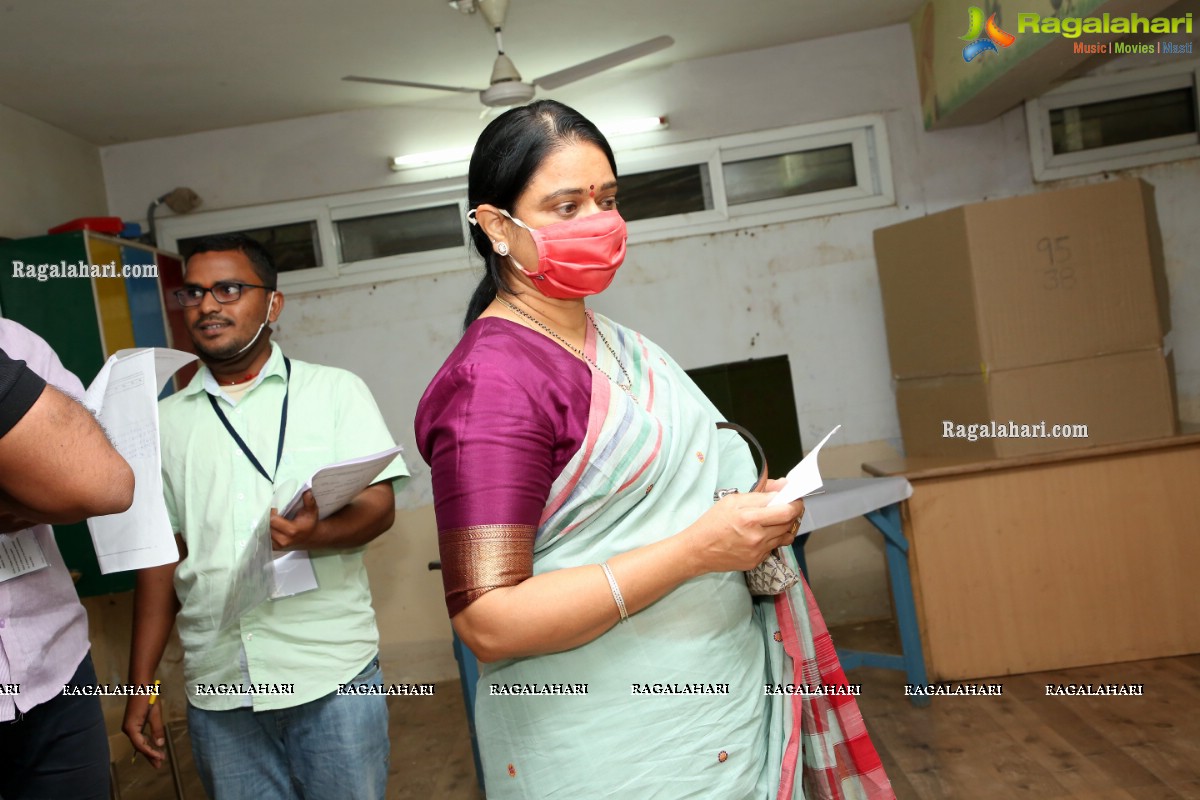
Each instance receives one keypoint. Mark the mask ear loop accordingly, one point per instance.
(515, 221)
(472, 218)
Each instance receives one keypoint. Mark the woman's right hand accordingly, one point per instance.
(740, 530)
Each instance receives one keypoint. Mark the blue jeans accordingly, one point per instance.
(333, 748)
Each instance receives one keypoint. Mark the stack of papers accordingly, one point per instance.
(333, 486)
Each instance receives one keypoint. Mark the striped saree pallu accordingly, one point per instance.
(839, 761)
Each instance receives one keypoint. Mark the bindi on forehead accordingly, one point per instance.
(578, 191)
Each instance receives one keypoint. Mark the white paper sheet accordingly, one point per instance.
(847, 498)
(124, 397)
(166, 362)
(805, 477)
(20, 553)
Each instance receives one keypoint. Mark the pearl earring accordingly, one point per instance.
(502, 248)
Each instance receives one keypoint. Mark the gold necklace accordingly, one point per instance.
(627, 387)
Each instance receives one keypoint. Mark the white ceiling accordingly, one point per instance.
(124, 70)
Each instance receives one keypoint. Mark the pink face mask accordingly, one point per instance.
(578, 257)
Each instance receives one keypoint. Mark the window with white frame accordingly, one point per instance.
(292, 245)
(397, 233)
(665, 192)
(343, 240)
(1115, 121)
(756, 178)
(669, 191)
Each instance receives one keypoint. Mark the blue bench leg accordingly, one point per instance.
(468, 674)
(887, 520)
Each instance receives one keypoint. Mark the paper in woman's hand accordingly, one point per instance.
(805, 477)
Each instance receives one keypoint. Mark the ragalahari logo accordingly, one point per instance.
(983, 36)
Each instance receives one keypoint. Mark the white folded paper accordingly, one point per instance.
(805, 477)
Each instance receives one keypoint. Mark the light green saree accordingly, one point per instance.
(675, 703)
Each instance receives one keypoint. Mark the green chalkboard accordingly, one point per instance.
(757, 394)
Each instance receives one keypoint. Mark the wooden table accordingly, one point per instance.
(1056, 560)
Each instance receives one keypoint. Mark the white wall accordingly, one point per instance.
(47, 176)
(807, 289)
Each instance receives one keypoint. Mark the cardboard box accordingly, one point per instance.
(1045, 278)
(1122, 397)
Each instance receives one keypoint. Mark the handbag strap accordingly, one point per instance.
(762, 457)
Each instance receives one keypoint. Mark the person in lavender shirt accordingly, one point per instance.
(56, 466)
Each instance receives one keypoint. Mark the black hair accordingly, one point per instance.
(260, 258)
(508, 153)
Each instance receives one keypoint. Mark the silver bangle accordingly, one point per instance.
(616, 591)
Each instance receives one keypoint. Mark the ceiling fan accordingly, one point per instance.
(506, 87)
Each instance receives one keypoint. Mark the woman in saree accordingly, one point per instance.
(585, 562)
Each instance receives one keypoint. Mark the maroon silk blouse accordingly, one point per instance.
(497, 424)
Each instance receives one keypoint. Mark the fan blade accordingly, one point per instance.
(589, 68)
(413, 84)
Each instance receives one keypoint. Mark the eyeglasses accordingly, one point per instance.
(224, 292)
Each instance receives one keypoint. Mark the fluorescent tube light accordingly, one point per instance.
(431, 158)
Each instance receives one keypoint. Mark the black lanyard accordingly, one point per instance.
(282, 426)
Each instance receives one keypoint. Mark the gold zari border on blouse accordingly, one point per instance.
(479, 558)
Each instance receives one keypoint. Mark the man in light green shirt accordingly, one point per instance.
(267, 714)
